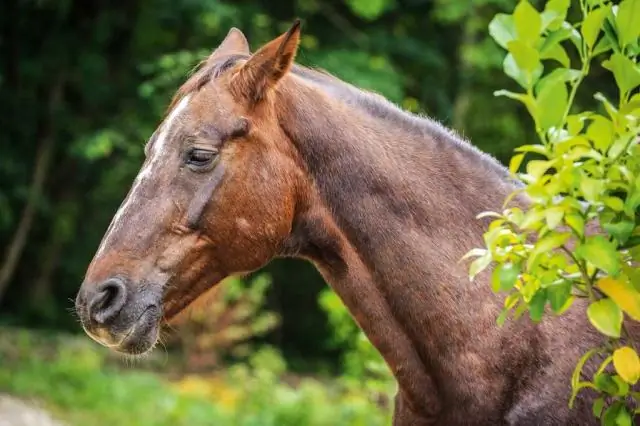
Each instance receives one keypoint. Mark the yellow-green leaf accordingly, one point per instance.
(527, 58)
(504, 277)
(601, 132)
(527, 21)
(502, 29)
(554, 216)
(592, 25)
(557, 53)
(479, 265)
(591, 188)
(515, 162)
(551, 103)
(601, 253)
(628, 21)
(606, 317)
(537, 168)
(627, 364)
(623, 293)
(625, 71)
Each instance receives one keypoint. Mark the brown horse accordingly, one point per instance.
(260, 158)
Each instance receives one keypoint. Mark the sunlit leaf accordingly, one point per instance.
(502, 29)
(554, 216)
(623, 293)
(601, 253)
(527, 100)
(551, 101)
(527, 21)
(557, 53)
(606, 317)
(627, 364)
(601, 132)
(628, 21)
(527, 58)
(591, 188)
(592, 24)
(479, 265)
(505, 276)
(515, 162)
(625, 71)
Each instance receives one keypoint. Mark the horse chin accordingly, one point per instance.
(143, 334)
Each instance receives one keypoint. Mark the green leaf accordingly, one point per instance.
(601, 132)
(592, 24)
(598, 405)
(611, 413)
(604, 45)
(558, 6)
(591, 188)
(606, 317)
(527, 21)
(527, 58)
(550, 242)
(557, 53)
(628, 22)
(558, 295)
(551, 101)
(527, 100)
(554, 216)
(479, 265)
(502, 29)
(536, 305)
(537, 168)
(605, 383)
(522, 77)
(515, 162)
(621, 230)
(554, 38)
(625, 71)
(611, 110)
(368, 9)
(601, 253)
(504, 276)
(614, 203)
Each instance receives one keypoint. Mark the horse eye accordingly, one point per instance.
(200, 158)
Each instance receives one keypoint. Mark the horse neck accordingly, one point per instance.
(392, 181)
(390, 209)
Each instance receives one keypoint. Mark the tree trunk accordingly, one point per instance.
(44, 154)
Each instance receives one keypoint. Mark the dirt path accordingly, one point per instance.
(16, 412)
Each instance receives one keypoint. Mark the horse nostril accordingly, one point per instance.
(108, 300)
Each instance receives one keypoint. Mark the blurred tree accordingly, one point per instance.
(84, 83)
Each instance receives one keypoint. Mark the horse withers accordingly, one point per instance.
(259, 158)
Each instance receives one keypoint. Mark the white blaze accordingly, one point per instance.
(157, 151)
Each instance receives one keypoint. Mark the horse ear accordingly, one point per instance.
(267, 66)
(234, 42)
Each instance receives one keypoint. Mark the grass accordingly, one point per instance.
(75, 380)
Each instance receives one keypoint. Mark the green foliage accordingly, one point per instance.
(74, 379)
(224, 323)
(578, 236)
(361, 361)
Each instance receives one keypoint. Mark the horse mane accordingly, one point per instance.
(369, 101)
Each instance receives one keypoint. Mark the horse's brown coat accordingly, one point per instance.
(381, 201)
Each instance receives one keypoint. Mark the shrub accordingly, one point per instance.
(585, 175)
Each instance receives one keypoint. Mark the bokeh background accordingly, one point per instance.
(83, 84)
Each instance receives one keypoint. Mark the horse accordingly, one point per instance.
(258, 157)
